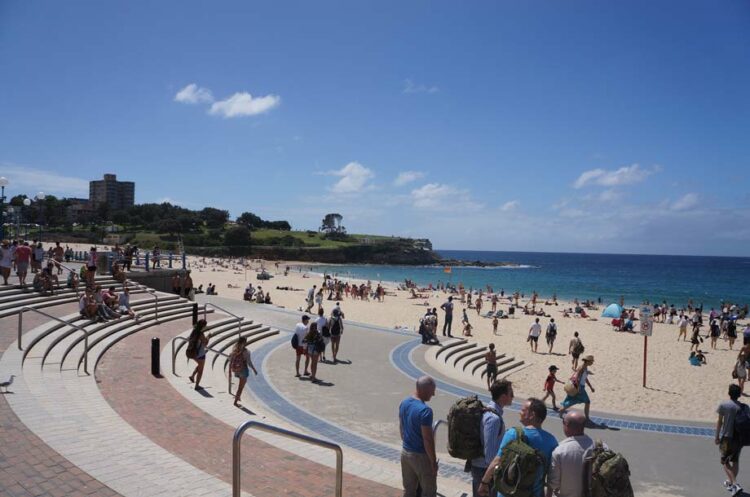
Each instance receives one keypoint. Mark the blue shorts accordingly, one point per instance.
(243, 374)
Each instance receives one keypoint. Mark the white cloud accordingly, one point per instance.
(444, 197)
(626, 175)
(411, 87)
(354, 178)
(244, 104)
(30, 181)
(609, 196)
(406, 177)
(687, 201)
(193, 94)
(509, 206)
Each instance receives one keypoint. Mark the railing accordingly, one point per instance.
(237, 456)
(174, 360)
(50, 316)
(435, 426)
(151, 292)
(239, 319)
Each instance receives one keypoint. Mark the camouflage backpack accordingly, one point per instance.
(464, 428)
(519, 465)
(610, 474)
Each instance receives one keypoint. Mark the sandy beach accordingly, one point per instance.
(675, 389)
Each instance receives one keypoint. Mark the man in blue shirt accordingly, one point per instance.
(533, 414)
(418, 462)
(492, 432)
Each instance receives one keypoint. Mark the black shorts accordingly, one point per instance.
(730, 450)
(533, 339)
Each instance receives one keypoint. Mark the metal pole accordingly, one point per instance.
(145, 258)
(645, 353)
(184, 261)
(20, 327)
(86, 353)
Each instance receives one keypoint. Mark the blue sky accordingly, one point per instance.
(548, 126)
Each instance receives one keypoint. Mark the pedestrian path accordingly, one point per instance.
(402, 359)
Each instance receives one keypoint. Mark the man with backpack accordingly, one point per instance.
(551, 334)
(521, 463)
(493, 429)
(731, 435)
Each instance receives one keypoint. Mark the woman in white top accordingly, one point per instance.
(325, 332)
(6, 261)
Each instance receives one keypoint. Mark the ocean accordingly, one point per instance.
(656, 278)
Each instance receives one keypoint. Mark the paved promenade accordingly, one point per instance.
(125, 432)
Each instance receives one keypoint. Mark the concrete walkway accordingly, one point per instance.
(364, 396)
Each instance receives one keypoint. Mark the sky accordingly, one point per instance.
(577, 126)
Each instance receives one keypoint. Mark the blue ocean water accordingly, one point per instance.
(676, 279)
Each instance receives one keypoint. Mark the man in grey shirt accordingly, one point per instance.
(566, 472)
(448, 308)
(493, 429)
(729, 447)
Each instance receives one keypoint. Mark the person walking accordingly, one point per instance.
(533, 414)
(490, 358)
(199, 341)
(241, 363)
(419, 465)
(310, 298)
(325, 332)
(729, 446)
(551, 334)
(683, 324)
(581, 379)
(549, 385)
(569, 467)
(493, 429)
(6, 261)
(336, 324)
(300, 332)
(313, 345)
(447, 307)
(575, 349)
(534, 331)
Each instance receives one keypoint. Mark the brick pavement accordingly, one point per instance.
(156, 410)
(28, 467)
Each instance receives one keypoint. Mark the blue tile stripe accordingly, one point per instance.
(402, 360)
(265, 391)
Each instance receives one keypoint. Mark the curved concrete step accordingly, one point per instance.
(456, 350)
(447, 346)
(468, 353)
(252, 337)
(482, 364)
(479, 356)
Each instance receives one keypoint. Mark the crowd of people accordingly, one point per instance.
(563, 468)
(311, 339)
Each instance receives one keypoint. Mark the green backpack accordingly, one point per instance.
(464, 428)
(519, 464)
(610, 474)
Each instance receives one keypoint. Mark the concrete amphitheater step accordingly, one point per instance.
(46, 339)
(44, 301)
(67, 411)
(478, 356)
(474, 351)
(445, 346)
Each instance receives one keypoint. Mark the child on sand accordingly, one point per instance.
(494, 325)
(467, 330)
(549, 385)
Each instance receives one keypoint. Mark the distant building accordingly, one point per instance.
(79, 211)
(118, 195)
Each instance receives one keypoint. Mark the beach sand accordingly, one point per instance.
(675, 389)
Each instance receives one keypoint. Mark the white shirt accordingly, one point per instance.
(535, 330)
(321, 322)
(567, 465)
(6, 259)
(300, 330)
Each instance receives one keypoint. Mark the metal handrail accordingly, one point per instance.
(237, 456)
(151, 292)
(50, 316)
(174, 360)
(239, 319)
(436, 424)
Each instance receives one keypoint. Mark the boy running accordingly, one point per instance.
(549, 385)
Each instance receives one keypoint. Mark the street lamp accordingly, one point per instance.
(3, 184)
(40, 196)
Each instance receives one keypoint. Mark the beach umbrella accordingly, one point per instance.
(612, 311)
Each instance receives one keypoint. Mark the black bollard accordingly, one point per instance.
(195, 314)
(155, 349)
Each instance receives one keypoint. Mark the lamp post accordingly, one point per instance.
(3, 184)
(40, 197)
(26, 203)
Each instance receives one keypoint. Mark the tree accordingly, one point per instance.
(237, 236)
(332, 224)
(214, 218)
(168, 226)
(250, 220)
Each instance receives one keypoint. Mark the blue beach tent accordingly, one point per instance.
(612, 311)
